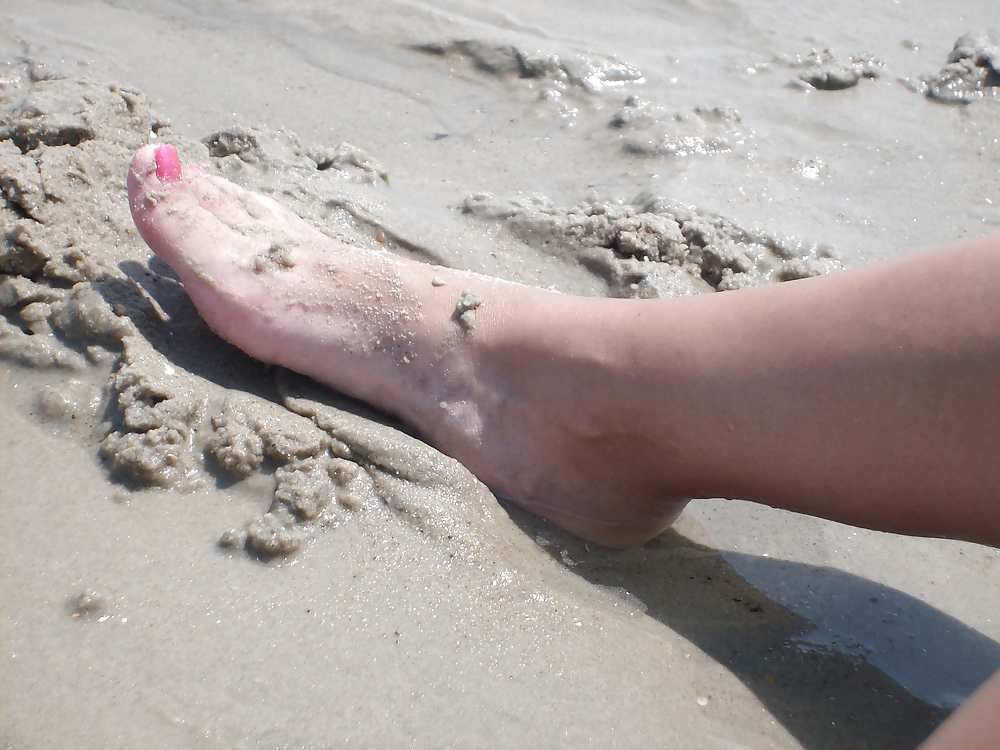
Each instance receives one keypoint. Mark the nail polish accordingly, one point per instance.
(168, 164)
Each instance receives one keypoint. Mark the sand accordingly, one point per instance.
(203, 551)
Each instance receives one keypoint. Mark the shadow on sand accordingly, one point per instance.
(838, 660)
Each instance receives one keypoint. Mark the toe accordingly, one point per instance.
(155, 177)
(142, 174)
(172, 220)
(240, 209)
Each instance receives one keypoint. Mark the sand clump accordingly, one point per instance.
(652, 247)
(972, 72)
(556, 73)
(465, 310)
(260, 146)
(570, 82)
(576, 83)
(652, 130)
(823, 70)
(80, 291)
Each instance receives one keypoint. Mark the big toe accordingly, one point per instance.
(165, 213)
(169, 210)
(152, 167)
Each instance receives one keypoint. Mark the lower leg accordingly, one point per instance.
(871, 397)
(975, 725)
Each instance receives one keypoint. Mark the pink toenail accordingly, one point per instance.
(196, 169)
(168, 164)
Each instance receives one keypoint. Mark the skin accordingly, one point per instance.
(869, 397)
(975, 725)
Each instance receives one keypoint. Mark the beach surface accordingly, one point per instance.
(202, 551)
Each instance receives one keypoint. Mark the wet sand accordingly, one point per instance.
(203, 551)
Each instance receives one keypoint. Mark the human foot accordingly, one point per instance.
(496, 378)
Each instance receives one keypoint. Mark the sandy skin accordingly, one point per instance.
(395, 334)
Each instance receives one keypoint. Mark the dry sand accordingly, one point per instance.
(200, 551)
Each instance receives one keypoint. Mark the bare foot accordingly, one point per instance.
(512, 381)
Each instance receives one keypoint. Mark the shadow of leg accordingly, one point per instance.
(825, 697)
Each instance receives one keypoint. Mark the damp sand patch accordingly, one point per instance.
(80, 292)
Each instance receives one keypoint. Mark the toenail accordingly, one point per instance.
(168, 164)
(196, 169)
